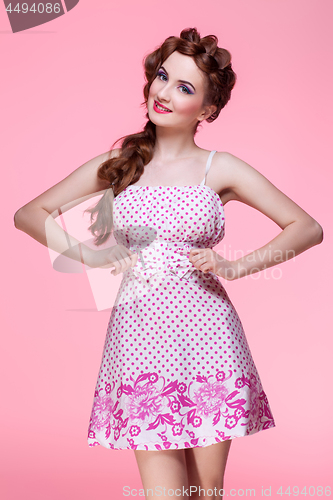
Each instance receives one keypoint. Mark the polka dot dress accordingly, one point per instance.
(176, 371)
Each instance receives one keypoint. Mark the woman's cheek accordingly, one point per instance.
(189, 109)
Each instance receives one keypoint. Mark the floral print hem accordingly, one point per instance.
(207, 411)
(176, 370)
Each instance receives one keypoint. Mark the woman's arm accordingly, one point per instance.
(299, 230)
(36, 218)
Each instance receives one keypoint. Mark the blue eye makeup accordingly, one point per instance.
(161, 73)
(188, 91)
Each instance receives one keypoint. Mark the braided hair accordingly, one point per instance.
(137, 149)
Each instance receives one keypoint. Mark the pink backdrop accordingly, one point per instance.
(69, 89)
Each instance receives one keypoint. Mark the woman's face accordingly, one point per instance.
(178, 86)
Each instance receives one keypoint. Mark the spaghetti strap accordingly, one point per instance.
(208, 164)
(165, 291)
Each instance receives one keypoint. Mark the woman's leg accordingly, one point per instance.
(205, 468)
(165, 469)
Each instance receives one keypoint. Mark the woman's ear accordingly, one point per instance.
(209, 110)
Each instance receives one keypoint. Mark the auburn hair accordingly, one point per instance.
(137, 149)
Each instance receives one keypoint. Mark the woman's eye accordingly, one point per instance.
(161, 74)
(187, 90)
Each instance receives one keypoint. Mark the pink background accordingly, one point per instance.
(70, 88)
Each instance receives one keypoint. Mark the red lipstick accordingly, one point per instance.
(164, 111)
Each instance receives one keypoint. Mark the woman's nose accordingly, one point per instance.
(164, 93)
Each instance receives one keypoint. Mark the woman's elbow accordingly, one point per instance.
(18, 216)
(318, 233)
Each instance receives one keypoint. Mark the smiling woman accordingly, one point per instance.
(170, 95)
(177, 381)
(184, 98)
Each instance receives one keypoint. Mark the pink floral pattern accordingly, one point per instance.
(207, 411)
(176, 371)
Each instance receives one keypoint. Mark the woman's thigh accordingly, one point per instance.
(206, 465)
(162, 469)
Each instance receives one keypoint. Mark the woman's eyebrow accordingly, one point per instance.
(182, 81)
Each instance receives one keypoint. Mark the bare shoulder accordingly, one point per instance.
(234, 179)
(114, 152)
(234, 176)
(83, 183)
(221, 176)
(228, 169)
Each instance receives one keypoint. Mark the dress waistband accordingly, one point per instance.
(160, 258)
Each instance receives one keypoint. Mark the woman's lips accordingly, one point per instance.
(160, 110)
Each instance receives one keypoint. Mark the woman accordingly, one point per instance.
(177, 380)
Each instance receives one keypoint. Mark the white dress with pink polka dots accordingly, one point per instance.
(176, 371)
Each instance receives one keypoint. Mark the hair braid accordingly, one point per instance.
(137, 149)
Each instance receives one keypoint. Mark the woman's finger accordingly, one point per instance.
(125, 261)
(134, 259)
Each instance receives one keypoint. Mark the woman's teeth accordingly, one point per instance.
(162, 109)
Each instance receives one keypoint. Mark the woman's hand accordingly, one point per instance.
(118, 256)
(205, 259)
